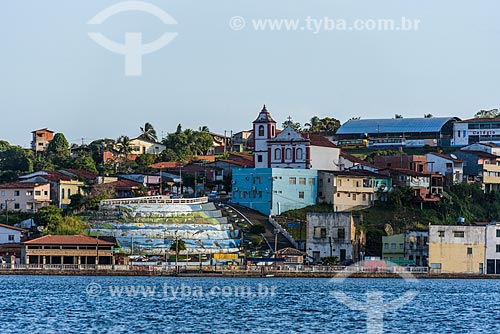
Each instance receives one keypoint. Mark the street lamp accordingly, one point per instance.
(276, 232)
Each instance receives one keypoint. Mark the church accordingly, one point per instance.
(291, 149)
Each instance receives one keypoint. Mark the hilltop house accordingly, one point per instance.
(451, 168)
(41, 139)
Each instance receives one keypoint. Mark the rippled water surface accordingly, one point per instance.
(55, 304)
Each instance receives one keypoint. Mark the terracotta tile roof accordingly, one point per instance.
(445, 157)
(44, 129)
(22, 185)
(166, 165)
(356, 160)
(67, 240)
(317, 140)
(237, 155)
(81, 173)
(243, 163)
(13, 228)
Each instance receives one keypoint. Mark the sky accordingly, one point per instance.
(218, 73)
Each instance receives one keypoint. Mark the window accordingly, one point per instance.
(16, 192)
(2, 193)
(259, 158)
(435, 265)
(62, 193)
(69, 193)
(386, 246)
(441, 234)
(277, 154)
(288, 154)
(302, 180)
(393, 246)
(301, 194)
(401, 246)
(46, 193)
(38, 193)
(341, 233)
(312, 182)
(364, 197)
(498, 248)
(458, 234)
(292, 180)
(338, 194)
(261, 130)
(469, 250)
(319, 232)
(260, 194)
(16, 206)
(298, 154)
(272, 131)
(353, 197)
(11, 237)
(498, 233)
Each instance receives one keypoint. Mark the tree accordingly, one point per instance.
(58, 150)
(428, 116)
(326, 124)
(296, 126)
(330, 260)
(355, 118)
(49, 215)
(398, 116)
(183, 144)
(493, 113)
(85, 161)
(143, 162)
(178, 246)
(148, 133)
(66, 226)
(204, 128)
(257, 229)
(14, 160)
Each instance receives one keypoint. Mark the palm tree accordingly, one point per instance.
(204, 128)
(148, 132)
(123, 146)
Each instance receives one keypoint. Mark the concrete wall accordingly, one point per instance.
(393, 247)
(330, 244)
(325, 158)
(5, 233)
(452, 253)
(492, 256)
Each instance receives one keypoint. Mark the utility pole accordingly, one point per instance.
(7, 209)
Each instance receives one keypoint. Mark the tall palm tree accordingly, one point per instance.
(148, 132)
(123, 146)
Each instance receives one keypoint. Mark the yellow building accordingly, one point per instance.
(347, 190)
(457, 249)
(66, 188)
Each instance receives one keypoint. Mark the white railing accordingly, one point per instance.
(284, 232)
(153, 200)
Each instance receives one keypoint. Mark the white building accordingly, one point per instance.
(10, 234)
(334, 234)
(490, 148)
(291, 149)
(24, 196)
(476, 130)
(140, 146)
(493, 248)
(450, 167)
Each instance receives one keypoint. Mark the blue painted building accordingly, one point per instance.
(272, 191)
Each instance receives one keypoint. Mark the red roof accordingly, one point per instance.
(13, 228)
(22, 185)
(242, 163)
(357, 160)
(44, 129)
(166, 165)
(317, 140)
(237, 155)
(82, 173)
(480, 120)
(67, 240)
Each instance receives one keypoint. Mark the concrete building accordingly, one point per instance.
(41, 139)
(141, 146)
(272, 191)
(416, 163)
(242, 141)
(67, 249)
(409, 248)
(493, 248)
(334, 234)
(393, 248)
(10, 234)
(24, 196)
(62, 186)
(351, 189)
(490, 148)
(481, 166)
(476, 130)
(457, 249)
(451, 168)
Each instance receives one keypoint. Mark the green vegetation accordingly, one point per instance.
(52, 219)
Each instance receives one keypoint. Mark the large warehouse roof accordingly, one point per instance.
(394, 125)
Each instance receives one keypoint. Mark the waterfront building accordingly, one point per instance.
(451, 168)
(493, 248)
(272, 191)
(67, 249)
(417, 132)
(24, 196)
(334, 234)
(457, 249)
(409, 248)
(41, 139)
(476, 130)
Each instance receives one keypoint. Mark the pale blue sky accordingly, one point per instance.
(53, 75)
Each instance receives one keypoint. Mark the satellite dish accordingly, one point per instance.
(388, 229)
(453, 156)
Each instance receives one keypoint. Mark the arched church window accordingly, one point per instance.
(261, 130)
